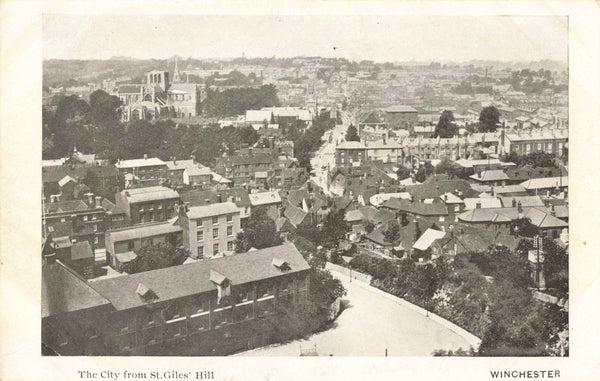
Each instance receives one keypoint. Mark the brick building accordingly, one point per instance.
(148, 204)
(211, 307)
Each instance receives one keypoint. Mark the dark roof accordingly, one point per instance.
(436, 186)
(259, 158)
(66, 206)
(295, 215)
(198, 198)
(64, 291)
(342, 202)
(525, 173)
(194, 278)
(481, 240)
(56, 173)
(81, 250)
(420, 208)
(372, 119)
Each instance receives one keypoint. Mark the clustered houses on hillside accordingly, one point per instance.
(100, 219)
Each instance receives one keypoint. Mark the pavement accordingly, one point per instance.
(370, 325)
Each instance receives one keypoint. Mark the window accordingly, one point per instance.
(549, 147)
(199, 222)
(95, 240)
(229, 231)
(62, 220)
(229, 217)
(85, 218)
(230, 246)
(130, 246)
(200, 235)
(442, 219)
(527, 147)
(215, 249)
(216, 233)
(200, 251)
(215, 220)
(95, 227)
(539, 146)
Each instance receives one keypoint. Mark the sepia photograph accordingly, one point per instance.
(304, 185)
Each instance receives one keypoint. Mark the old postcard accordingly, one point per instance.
(233, 192)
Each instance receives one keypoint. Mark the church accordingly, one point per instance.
(160, 97)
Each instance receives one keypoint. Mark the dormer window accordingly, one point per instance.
(281, 264)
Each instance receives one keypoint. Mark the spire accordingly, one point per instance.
(176, 75)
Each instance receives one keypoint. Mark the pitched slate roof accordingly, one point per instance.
(136, 163)
(524, 200)
(295, 215)
(81, 250)
(66, 206)
(64, 291)
(194, 278)
(427, 238)
(420, 208)
(130, 89)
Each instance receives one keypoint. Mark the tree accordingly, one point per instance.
(392, 233)
(446, 166)
(157, 256)
(446, 127)
(403, 173)
(104, 107)
(334, 227)
(524, 228)
(260, 232)
(352, 134)
(488, 119)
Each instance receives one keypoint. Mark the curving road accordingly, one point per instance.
(372, 324)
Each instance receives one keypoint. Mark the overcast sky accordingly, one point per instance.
(378, 38)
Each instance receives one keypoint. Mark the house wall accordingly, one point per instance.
(194, 325)
(203, 246)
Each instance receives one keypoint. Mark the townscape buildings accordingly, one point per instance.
(99, 217)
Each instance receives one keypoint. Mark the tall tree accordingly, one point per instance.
(446, 127)
(352, 134)
(259, 232)
(104, 107)
(488, 119)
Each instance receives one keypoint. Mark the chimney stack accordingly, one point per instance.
(98, 202)
(520, 207)
(514, 203)
(145, 156)
(478, 205)
(90, 198)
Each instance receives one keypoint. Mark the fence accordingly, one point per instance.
(348, 272)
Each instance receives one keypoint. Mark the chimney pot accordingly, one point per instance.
(145, 156)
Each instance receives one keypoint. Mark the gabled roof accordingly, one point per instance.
(191, 279)
(539, 216)
(372, 118)
(451, 198)
(427, 238)
(295, 214)
(66, 180)
(64, 291)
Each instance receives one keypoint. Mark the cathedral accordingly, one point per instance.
(159, 97)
